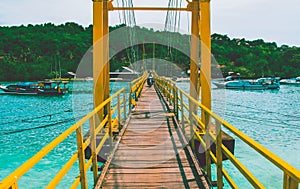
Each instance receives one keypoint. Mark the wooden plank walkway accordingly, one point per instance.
(151, 153)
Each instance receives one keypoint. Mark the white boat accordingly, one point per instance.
(291, 81)
(126, 74)
(259, 84)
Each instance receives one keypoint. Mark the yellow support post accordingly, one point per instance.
(93, 148)
(110, 127)
(106, 51)
(101, 54)
(98, 63)
(106, 66)
(219, 155)
(194, 60)
(176, 104)
(119, 111)
(124, 105)
(15, 186)
(289, 182)
(205, 74)
(130, 98)
(81, 157)
(208, 144)
(182, 113)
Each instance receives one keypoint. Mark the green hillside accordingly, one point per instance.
(37, 52)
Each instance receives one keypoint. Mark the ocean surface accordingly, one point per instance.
(28, 123)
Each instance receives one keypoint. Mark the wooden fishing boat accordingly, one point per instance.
(52, 88)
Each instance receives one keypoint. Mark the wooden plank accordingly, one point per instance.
(139, 165)
(146, 185)
(134, 152)
(150, 178)
(148, 162)
(152, 170)
(147, 156)
(152, 186)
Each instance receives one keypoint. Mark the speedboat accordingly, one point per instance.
(291, 81)
(36, 88)
(259, 84)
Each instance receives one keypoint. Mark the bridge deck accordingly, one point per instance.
(151, 152)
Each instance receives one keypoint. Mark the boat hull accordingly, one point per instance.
(292, 81)
(41, 89)
(246, 85)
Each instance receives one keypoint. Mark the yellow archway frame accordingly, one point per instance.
(200, 27)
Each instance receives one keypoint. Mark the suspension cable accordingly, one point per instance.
(172, 22)
(128, 18)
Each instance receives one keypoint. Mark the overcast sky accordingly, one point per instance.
(271, 20)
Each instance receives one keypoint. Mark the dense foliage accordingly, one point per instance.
(36, 52)
(256, 58)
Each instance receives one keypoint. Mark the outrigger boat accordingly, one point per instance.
(36, 88)
(259, 84)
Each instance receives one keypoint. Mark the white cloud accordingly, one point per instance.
(36, 11)
(271, 20)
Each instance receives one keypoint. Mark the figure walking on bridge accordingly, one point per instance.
(150, 79)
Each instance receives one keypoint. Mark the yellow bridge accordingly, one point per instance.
(152, 147)
(152, 139)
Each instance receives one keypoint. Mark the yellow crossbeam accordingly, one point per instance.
(149, 8)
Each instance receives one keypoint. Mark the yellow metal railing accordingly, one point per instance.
(136, 87)
(202, 132)
(102, 128)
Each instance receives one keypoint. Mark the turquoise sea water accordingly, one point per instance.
(27, 123)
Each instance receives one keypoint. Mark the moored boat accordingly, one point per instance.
(36, 88)
(125, 74)
(259, 84)
(291, 81)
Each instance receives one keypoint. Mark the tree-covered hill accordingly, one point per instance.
(256, 58)
(36, 52)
